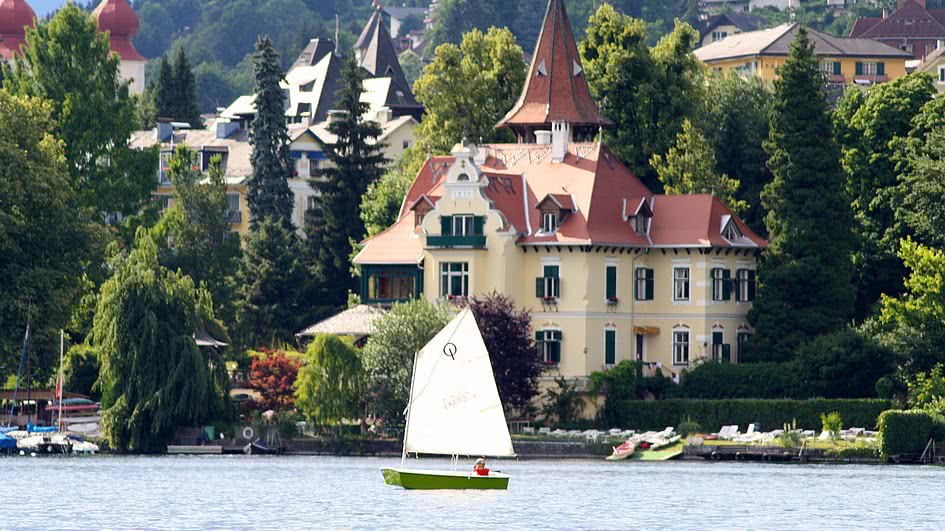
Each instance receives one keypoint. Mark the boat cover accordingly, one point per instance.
(7, 442)
(40, 429)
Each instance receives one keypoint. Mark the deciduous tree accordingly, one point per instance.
(330, 386)
(273, 374)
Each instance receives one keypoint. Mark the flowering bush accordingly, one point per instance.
(272, 374)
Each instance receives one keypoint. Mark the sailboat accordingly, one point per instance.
(454, 409)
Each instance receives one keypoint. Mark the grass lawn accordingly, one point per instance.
(813, 443)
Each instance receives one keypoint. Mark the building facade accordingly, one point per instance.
(911, 27)
(609, 270)
(843, 60)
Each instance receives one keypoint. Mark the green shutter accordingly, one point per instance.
(726, 353)
(446, 225)
(859, 68)
(649, 285)
(726, 284)
(836, 68)
(540, 287)
(750, 296)
(880, 69)
(557, 286)
(610, 346)
(539, 336)
(636, 285)
(738, 284)
(716, 338)
(479, 222)
(611, 282)
(714, 274)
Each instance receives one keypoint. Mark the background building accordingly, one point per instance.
(911, 27)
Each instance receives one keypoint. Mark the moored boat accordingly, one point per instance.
(623, 451)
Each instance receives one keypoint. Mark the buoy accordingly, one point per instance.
(248, 433)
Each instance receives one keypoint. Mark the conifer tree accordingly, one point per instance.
(805, 285)
(164, 90)
(356, 162)
(269, 193)
(185, 91)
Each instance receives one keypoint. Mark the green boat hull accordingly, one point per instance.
(435, 479)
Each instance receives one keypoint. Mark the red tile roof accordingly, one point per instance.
(555, 87)
(600, 189)
(911, 20)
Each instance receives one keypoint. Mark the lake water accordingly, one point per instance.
(349, 493)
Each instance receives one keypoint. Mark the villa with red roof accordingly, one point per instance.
(113, 16)
(609, 270)
(911, 27)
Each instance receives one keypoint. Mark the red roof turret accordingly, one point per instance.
(15, 17)
(556, 88)
(121, 22)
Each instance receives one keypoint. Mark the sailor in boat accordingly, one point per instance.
(480, 467)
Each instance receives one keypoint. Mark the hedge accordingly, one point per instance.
(713, 414)
(908, 432)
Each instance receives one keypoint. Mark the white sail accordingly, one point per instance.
(454, 403)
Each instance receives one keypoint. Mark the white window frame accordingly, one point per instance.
(741, 276)
(466, 225)
(545, 346)
(549, 222)
(640, 224)
(718, 284)
(731, 232)
(681, 345)
(739, 334)
(609, 328)
(447, 273)
(681, 283)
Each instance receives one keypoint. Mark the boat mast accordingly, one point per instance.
(413, 377)
(62, 380)
(19, 371)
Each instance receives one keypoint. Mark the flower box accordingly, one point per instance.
(612, 300)
(548, 298)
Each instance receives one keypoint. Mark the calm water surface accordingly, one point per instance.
(349, 493)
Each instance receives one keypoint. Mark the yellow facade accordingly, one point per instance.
(582, 312)
(765, 67)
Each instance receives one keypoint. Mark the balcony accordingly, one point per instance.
(474, 242)
(234, 217)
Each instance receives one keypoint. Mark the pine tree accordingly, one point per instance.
(269, 193)
(185, 91)
(805, 285)
(164, 102)
(356, 162)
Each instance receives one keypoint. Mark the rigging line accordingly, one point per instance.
(19, 372)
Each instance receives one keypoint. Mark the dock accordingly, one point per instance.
(210, 449)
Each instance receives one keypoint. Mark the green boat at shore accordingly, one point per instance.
(454, 409)
(440, 479)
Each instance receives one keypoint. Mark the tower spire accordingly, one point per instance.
(556, 88)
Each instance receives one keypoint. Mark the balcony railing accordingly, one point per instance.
(456, 241)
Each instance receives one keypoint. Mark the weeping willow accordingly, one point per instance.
(153, 376)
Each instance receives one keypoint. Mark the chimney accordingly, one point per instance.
(560, 138)
(225, 129)
(543, 137)
(163, 130)
(335, 115)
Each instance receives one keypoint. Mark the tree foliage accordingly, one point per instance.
(68, 62)
(468, 88)
(46, 240)
(153, 376)
(924, 189)
(647, 92)
(507, 334)
(330, 386)
(271, 303)
(872, 158)
(380, 204)
(357, 161)
(389, 352)
(689, 168)
(269, 194)
(175, 91)
(80, 370)
(273, 374)
(804, 281)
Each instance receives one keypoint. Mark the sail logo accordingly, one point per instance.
(457, 399)
(449, 350)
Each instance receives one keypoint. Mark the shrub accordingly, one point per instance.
(746, 380)
(907, 432)
(688, 427)
(790, 437)
(562, 402)
(925, 388)
(771, 414)
(273, 373)
(844, 364)
(858, 451)
(832, 423)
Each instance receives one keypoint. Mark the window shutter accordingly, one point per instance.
(726, 353)
(611, 282)
(610, 346)
(880, 69)
(540, 287)
(649, 285)
(738, 284)
(714, 274)
(446, 225)
(539, 336)
(556, 335)
(750, 296)
(726, 284)
(556, 354)
(859, 68)
(836, 68)
(636, 285)
(557, 286)
(479, 222)
(716, 338)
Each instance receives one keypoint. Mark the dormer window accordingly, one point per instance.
(640, 216)
(549, 222)
(640, 223)
(730, 230)
(463, 225)
(462, 177)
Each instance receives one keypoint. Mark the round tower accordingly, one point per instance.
(15, 17)
(121, 22)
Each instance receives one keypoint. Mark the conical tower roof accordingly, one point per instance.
(556, 89)
(121, 22)
(15, 17)
(376, 55)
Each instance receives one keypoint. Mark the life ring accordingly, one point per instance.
(248, 433)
